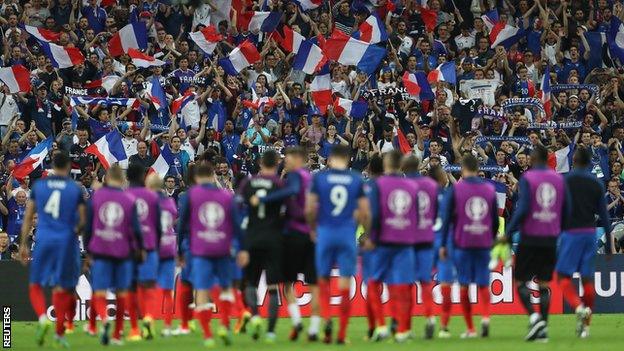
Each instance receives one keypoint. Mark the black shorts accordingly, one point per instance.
(268, 259)
(535, 261)
(298, 257)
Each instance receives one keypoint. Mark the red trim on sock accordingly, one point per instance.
(589, 294)
(70, 298)
(37, 299)
(225, 310)
(427, 298)
(324, 296)
(370, 312)
(570, 294)
(61, 310)
(183, 299)
(204, 317)
(133, 310)
(167, 306)
(446, 305)
(484, 300)
(119, 316)
(99, 303)
(92, 316)
(345, 312)
(466, 308)
(374, 295)
(404, 314)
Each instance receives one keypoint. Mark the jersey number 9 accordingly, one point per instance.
(338, 197)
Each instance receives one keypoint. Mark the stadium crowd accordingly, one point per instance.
(492, 103)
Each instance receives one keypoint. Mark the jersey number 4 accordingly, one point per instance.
(53, 206)
(338, 196)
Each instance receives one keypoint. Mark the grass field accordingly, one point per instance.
(506, 332)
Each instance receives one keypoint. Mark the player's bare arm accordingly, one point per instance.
(24, 253)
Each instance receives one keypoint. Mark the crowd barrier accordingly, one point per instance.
(609, 282)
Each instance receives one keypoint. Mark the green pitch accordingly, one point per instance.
(507, 333)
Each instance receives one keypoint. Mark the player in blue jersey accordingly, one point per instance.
(61, 214)
(334, 207)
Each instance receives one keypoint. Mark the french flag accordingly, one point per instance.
(490, 19)
(256, 102)
(308, 4)
(505, 35)
(310, 58)
(258, 21)
(545, 91)
(561, 160)
(142, 60)
(133, 35)
(321, 89)
(501, 196)
(157, 94)
(161, 165)
(291, 41)
(372, 31)
(355, 109)
(443, 73)
(109, 150)
(34, 158)
(240, 58)
(616, 38)
(17, 78)
(178, 104)
(42, 34)
(207, 39)
(417, 85)
(350, 51)
(62, 57)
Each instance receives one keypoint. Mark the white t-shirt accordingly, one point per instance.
(202, 15)
(8, 109)
(130, 145)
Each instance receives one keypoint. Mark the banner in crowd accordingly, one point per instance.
(484, 168)
(76, 91)
(501, 138)
(555, 125)
(397, 94)
(490, 113)
(591, 87)
(484, 89)
(522, 102)
(609, 284)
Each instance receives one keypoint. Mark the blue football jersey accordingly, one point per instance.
(338, 192)
(56, 199)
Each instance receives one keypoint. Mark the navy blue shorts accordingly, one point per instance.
(336, 249)
(208, 272)
(472, 266)
(148, 269)
(423, 263)
(368, 260)
(56, 263)
(185, 273)
(392, 264)
(114, 274)
(166, 273)
(577, 253)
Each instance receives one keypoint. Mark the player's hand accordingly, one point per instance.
(254, 201)
(24, 255)
(443, 253)
(313, 236)
(242, 259)
(368, 245)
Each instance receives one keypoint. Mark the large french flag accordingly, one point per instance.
(240, 58)
(163, 162)
(561, 160)
(490, 19)
(179, 103)
(350, 51)
(42, 34)
(616, 38)
(355, 109)
(17, 78)
(109, 150)
(34, 158)
(259, 21)
(157, 95)
(443, 73)
(207, 39)
(417, 85)
(291, 41)
(142, 60)
(310, 58)
(373, 30)
(321, 89)
(308, 4)
(505, 35)
(501, 196)
(62, 57)
(545, 91)
(133, 35)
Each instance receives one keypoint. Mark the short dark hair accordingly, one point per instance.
(582, 157)
(539, 154)
(136, 174)
(61, 160)
(270, 159)
(393, 159)
(470, 163)
(169, 177)
(410, 164)
(340, 151)
(375, 165)
(204, 169)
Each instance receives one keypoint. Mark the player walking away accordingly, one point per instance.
(56, 259)
(334, 207)
(394, 211)
(543, 204)
(445, 275)
(113, 239)
(147, 271)
(577, 245)
(427, 196)
(264, 242)
(377, 329)
(167, 250)
(298, 249)
(472, 210)
(209, 219)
